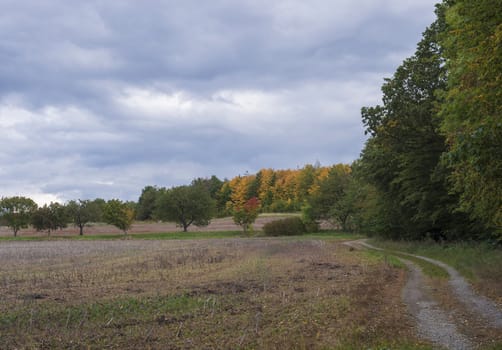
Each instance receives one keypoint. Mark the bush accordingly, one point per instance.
(312, 226)
(284, 227)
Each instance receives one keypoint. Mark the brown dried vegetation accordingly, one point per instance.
(234, 293)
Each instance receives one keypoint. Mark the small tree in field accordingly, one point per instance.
(245, 215)
(186, 205)
(118, 214)
(16, 212)
(82, 212)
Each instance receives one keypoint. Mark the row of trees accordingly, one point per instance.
(321, 193)
(195, 204)
(277, 190)
(434, 156)
(20, 212)
(185, 205)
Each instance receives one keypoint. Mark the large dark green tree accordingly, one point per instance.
(50, 217)
(16, 212)
(146, 203)
(186, 205)
(472, 109)
(402, 157)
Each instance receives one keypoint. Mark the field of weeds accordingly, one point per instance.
(224, 293)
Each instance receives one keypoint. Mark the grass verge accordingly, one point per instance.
(478, 262)
(325, 235)
(139, 236)
(472, 260)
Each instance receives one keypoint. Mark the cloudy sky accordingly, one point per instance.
(101, 98)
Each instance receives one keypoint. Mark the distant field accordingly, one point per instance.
(221, 293)
(220, 224)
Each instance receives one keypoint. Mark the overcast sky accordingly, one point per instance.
(101, 98)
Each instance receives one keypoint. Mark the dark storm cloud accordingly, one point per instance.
(100, 98)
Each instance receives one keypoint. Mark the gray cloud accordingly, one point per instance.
(99, 99)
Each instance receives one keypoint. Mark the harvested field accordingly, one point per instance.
(224, 293)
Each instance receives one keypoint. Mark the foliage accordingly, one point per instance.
(146, 203)
(82, 212)
(329, 201)
(50, 217)
(277, 190)
(16, 212)
(402, 157)
(472, 109)
(285, 227)
(246, 213)
(119, 214)
(186, 205)
(310, 223)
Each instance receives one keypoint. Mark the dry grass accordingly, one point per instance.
(238, 293)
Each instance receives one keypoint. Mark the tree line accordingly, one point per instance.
(434, 154)
(20, 212)
(321, 193)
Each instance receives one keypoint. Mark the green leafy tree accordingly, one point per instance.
(146, 203)
(82, 212)
(50, 217)
(16, 212)
(245, 215)
(186, 205)
(223, 197)
(212, 185)
(119, 214)
(97, 206)
(402, 157)
(472, 110)
(335, 200)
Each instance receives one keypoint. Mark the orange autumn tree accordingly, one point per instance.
(285, 190)
(245, 214)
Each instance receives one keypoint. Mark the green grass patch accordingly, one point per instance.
(384, 257)
(472, 260)
(428, 268)
(327, 235)
(393, 258)
(138, 236)
(104, 313)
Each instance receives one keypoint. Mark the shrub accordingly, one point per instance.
(312, 226)
(284, 227)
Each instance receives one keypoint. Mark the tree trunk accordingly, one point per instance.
(81, 230)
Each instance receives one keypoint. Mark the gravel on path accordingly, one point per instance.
(432, 322)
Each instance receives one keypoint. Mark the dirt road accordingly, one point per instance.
(434, 322)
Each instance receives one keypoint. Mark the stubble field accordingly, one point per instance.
(222, 293)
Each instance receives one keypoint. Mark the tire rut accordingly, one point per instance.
(433, 323)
